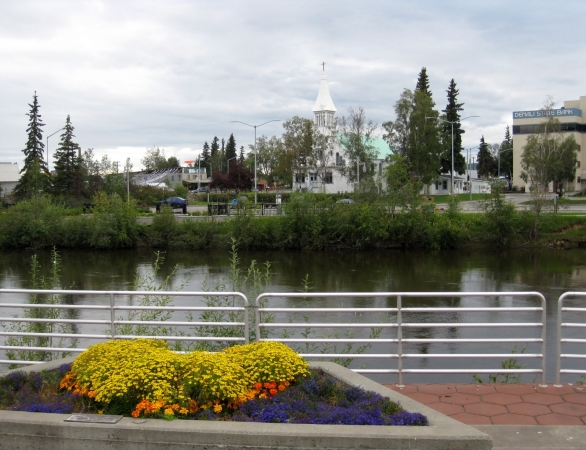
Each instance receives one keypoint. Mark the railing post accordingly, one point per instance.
(257, 318)
(112, 316)
(543, 338)
(558, 358)
(400, 342)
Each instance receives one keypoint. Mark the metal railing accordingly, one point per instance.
(571, 326)
(109, 309)
(400, 325)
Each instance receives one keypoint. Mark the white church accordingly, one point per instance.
(331, 180)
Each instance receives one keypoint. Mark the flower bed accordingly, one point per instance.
(20, 429)
(263, 382)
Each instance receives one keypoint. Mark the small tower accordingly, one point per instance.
(324, 109)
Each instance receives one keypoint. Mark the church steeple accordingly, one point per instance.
(324, 109)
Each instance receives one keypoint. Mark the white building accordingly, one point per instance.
(9, 176)
(329, 179)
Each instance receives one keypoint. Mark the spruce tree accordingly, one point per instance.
(506, 155)
(423, 82)
(452, 115)
(241, 155)
(67, 162)
(486, 165)
(231, 150)
(34, 178)
(215, 157)
(206, 157)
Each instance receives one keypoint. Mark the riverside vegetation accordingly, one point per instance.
(308, 222)
(260, 382)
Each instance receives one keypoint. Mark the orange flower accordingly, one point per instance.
(281, 387)
(273, 391)
(135, 413)
(258, 386)
(169, 412)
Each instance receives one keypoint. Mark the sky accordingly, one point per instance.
(134, 74)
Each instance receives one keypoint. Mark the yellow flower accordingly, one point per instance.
(169, 412)
(218, 409)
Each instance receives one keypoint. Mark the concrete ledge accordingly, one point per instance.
(20, 430)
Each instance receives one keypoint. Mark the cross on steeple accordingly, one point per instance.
(323, 66)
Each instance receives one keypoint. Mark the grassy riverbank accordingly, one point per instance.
(304, 225)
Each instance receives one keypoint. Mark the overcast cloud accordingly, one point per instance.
(133, 74)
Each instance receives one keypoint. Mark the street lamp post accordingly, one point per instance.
(469, 169)
(255, 127)
(452, 123)
(48, 146)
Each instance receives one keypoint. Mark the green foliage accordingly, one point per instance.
(113, 223)
(164, 228)
(504, 378)
(502, 219)
(32, 223)
(67, 179)
(181, 191)
(35, 177)
(151, 281)
(38, 281)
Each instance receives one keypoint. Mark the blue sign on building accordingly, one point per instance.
(562, 112)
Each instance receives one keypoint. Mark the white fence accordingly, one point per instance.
(387, 328)
(397, 315)
(578, 313)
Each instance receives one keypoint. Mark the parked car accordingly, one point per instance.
(174, 203)
(345, 200)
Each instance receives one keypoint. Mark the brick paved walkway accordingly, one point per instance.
(503, 404)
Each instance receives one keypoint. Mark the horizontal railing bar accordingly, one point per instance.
(571, 355)
(573, 341)
(490, 371)
(471, 325)
(330, 340)
(349, 355)
(184, 338)
(573, 309)
(170, 323)
(475, 341)
(339, 310)
(74, 321)
(54, 306)
(179, 308)
(470, 309)
(397, 294)
(375, 370)
(573, 325)
(472, 355)
(572, 371)
(328, 325)
(20, 362)
(56, 335)
(42, 349)
(129, 293)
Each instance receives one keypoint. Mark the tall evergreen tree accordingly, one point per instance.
(231, 150)
(67, 162)
(215, 156)
(453, 116)
(506, 155)
(34, 178)
(241, 154)
(223, 168)
(485, 160)
(423, 82)
(206, 157)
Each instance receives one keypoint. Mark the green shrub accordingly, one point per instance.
(32, 223)
(113, 223)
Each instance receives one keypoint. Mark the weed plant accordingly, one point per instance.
(37, 343)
